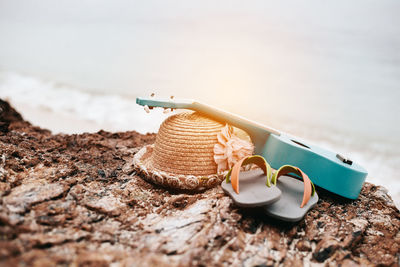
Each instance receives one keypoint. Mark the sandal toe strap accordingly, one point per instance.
(233, 174)
(309, 188)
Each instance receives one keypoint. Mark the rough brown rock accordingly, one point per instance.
(75, 200)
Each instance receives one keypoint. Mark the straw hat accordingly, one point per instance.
(182, 156)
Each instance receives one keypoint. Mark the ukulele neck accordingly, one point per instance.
(258, 132)
(252, 127)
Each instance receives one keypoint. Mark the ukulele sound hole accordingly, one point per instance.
(300, 144)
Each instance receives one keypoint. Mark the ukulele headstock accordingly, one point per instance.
(168, 104)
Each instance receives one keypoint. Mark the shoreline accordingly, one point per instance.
(58, 122)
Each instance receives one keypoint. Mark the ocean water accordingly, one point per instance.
(328, 72)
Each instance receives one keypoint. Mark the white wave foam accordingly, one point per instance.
(121, 113)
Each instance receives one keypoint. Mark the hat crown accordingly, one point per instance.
(185, 145)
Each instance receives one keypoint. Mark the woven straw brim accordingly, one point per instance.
(183, 153)
(144, 165)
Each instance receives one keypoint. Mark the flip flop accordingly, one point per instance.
(256, 189)
(287, 208)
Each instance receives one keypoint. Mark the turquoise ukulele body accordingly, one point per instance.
(326, 169)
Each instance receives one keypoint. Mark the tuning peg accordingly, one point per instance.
(147, 109)
(166, 110)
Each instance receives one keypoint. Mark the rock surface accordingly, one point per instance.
(75, 200)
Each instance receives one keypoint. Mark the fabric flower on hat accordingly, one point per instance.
(230, 149)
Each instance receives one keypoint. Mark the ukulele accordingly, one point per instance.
(328, 170)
